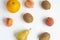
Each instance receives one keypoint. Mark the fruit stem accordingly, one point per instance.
(48, 17)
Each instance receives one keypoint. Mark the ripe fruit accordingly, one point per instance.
(13, 6)
(8, 21)
(44, 36)
(46, 5)
(29, 4)
(22, 35)
(28, 17)
(30, 0)
(49, 21)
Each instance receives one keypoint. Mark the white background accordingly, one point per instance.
(38, 26)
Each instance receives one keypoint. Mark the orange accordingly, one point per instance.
(13, 6)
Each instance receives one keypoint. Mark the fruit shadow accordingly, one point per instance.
(4, 5)
(1, 21)
(22, 16)
(44, 20)
(23, 1)
(40, 4)
(15, 33)
(39, 34)
(22, 19)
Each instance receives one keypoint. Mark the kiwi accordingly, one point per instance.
(46, 5)
(44, 36)
(28, 18)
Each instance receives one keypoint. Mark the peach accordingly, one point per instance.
(49, 21)
(8, 21)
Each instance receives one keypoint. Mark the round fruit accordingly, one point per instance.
(30, 0)
(29, 4)
(44, 36)
(46, 5)
(8, 21)
(49, 21)
(13, 6)
(28, 17)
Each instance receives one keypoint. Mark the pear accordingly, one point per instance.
(22, 35)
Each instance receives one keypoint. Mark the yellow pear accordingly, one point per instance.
(22, 35)
(13, 6)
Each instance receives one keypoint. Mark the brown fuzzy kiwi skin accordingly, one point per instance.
(46, 5)
(44, 36)
(28, 18)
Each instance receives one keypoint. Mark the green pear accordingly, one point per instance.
(22, 35)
